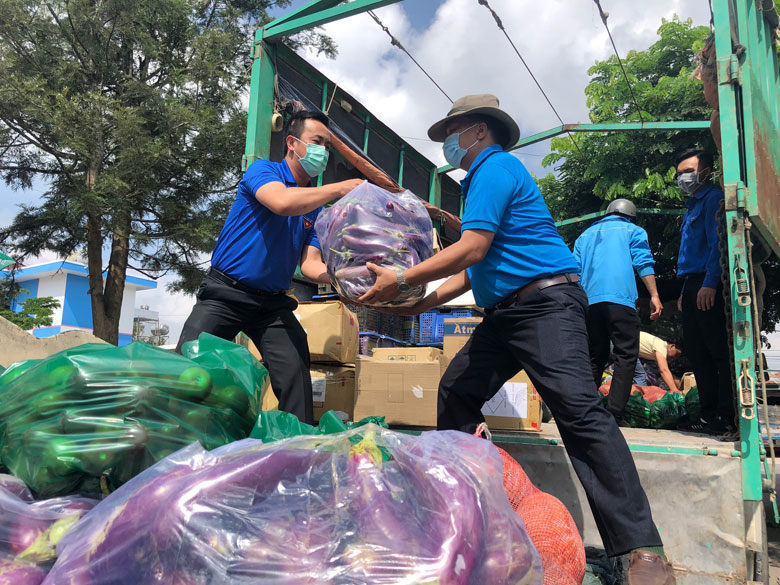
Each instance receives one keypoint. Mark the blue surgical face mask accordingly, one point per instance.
(453, 151)
(316, 158)
(688, 182)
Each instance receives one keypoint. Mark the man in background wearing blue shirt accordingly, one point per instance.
(511, 255)
(268, 232)
(701, 300)
(608, 252)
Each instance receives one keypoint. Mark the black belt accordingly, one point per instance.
(521, 293)
(232, 282)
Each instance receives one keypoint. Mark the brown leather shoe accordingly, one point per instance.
(647, 568)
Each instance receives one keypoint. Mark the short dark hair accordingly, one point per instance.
(498, 131)
(679, 366)
(704, 157)
(295, 123)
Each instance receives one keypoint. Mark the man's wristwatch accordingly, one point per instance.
(403, 286)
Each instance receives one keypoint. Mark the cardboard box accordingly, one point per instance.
(687, 382)
(407, 354)
(456, 332)
(405, 392)
(333, 388)
(516, 406)
(332, 330)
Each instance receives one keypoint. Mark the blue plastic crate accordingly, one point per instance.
(431, 323)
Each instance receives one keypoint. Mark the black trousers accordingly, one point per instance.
(269, 321)
(619, 324)
(705, 342)
(545, 335)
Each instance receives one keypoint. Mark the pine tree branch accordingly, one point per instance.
(29, 169)
(64, 34)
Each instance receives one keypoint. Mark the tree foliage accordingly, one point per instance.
(33, 311)
(639, 165)
(132, 111)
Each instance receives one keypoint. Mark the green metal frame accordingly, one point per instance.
(615, 127)
(597, 214)
(748, 91)
(749, 87)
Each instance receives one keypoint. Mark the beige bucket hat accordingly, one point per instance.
(484, 104)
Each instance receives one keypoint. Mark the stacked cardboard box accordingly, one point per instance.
(401, 384)
(332, 332)
(516, 406)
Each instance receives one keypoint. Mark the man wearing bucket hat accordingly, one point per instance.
(519, 268)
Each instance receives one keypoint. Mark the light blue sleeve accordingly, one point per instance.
(578, 255)
(641, 256)
(489, 194)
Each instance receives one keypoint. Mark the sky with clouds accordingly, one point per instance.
(460, 46)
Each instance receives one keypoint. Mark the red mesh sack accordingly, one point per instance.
(549, 525)
(651, 393)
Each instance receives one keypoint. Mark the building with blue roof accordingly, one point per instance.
(68, 282)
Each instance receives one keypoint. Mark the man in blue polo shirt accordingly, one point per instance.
(701, 300)
(521, 271)
(268, 232)
(608, 252)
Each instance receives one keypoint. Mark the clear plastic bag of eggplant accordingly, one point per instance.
(371, 224)
(363, 507)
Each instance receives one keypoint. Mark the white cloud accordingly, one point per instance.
(465, 52)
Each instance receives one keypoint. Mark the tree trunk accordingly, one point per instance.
(114, 289)
(105, 314)
(95, 268)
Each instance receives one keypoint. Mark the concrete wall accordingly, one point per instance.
(19, 345)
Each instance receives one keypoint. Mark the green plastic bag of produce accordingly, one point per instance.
(667, 411)
(275, 425)
(637, 411)
(16, 369)
(99, 412)
(692, 404)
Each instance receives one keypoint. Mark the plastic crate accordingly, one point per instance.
(431, 323)
(394, 326)
(369, 340)
(368, 319)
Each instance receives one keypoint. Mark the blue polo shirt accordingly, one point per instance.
(608, 253)
(257, 247)
(699, 251)
(502, 197)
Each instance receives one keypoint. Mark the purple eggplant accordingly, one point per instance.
(169, 519)
(374, 225)
(15, 486)
(16, 573)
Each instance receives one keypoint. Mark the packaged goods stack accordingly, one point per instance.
(400, 384)
(333, 335)
(516, 406)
